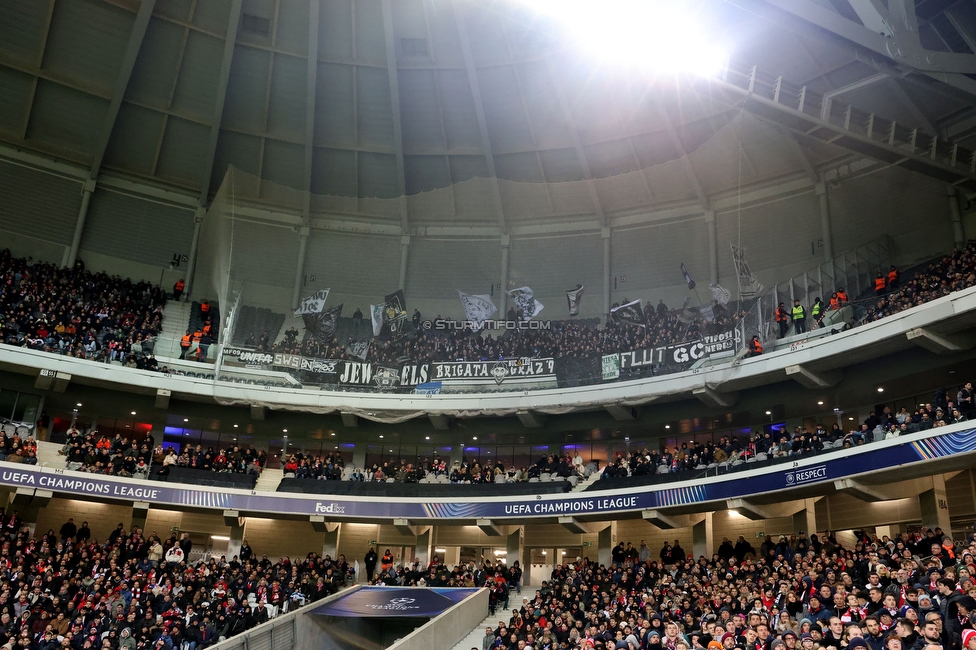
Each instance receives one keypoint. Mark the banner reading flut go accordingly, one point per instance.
(670, 358)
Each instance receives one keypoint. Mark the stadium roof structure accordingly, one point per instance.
(411, 96)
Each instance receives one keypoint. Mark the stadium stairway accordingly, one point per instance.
(590, 480)
(476, 635)
(48, 456)
(176, 315)
(269, 480)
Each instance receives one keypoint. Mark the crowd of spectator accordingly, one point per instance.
(333, 467)
(71, 591)
(96, 453)
(733, 451)
(78, 313)
(954, 272)
(565, 338)
(913, 592)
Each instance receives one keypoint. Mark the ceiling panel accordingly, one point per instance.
(519, 167)
(504, 113)
(13, 99)
(445, 43)
(284, 164)
(247, 89)
(467, 167)
(87, 41)
(286, 111)
(212, 15)
(175, 9)
(561, 165)
(335, 118)
(334, 172)
(22, 28)
(241, 151)
(425, 173)
(66, 118)
(183, 154)
(460, 119)
(542, 104)
(370, 39)
(610, 158)
(156, 66)
(419, 116)
(374, 112)
(196, 85)
(335, 30)
(134, 139)
(378, 176)
(292, 34)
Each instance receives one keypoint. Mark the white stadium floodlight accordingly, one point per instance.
(662, 36)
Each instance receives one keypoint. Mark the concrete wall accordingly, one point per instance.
(450, 627)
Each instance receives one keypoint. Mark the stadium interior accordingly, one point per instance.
(642, 324)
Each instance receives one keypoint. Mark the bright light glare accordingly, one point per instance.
(659, 35)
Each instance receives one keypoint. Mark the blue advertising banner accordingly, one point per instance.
(387, 602)
(806, 470)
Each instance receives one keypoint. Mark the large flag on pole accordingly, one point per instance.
(749, 286)
(573, 297)
(477, 307)
(395, 312)
(314, 303)
(376, 317)
(630, 313)
(526, 306)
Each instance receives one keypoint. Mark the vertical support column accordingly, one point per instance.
(935, 507)
(506, 242)
(607, 540)
(330, 542)
(140, 511)
(513, 553)
(825, 231)
(957, 232)
(805, 520)
(457, 454)
(236, 538)
(194, 244)
(712, 247)
(300, 266)
(703, 537)
(423, 547)
(86, 194)
(605, 233)
(404, 255)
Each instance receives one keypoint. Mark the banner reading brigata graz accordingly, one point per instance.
(669, 358)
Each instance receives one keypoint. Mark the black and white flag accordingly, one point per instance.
(376, 318)
(720, 294)
(314, 303)
(358, 349)
(395, 312)
(573, 297)
(684, 272)
(322, 325)
(749, 286)
(630, 313)
(526, 306)
(477, 307)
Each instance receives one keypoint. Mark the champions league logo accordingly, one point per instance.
(397, 605)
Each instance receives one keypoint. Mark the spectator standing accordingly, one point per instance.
(799, 318)
(178, 289)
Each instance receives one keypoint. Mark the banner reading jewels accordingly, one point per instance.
(670, 358)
